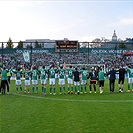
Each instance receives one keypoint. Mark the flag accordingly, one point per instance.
(26, 56)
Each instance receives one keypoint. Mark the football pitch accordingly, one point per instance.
(67, 113)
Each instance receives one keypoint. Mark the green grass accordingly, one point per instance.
(87, 113)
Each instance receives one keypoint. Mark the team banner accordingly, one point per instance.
(83, 50)
(26, 56)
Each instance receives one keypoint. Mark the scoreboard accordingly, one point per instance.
(66, 46)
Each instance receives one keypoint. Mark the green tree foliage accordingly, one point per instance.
(122, 45)
(9, 43)
(28, 46)
(96, 43)
(37, 45)
(20, 44)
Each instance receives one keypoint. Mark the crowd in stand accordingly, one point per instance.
(70, 58)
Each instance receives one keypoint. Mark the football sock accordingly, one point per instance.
(85, 88)
(60, 89)
(50, 89)
(72, 88)
(132, 85)
(64, 89)
(81, 88)
(16, 88)
(128, 86)
(78, 88)
(36, 88)
(68, 88)
(94, 87)
(21, 88)
(54, 89)
(90, 88)
(44, 89)
(32, 88)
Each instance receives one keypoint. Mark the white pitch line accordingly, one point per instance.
(72, 100)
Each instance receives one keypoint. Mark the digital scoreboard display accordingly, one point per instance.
(66, 46)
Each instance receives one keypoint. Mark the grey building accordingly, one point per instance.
(46, 43)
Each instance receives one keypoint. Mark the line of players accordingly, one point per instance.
(77, 80)
(44, 73)
(74, 78)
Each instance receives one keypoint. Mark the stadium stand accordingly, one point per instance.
(48, 58)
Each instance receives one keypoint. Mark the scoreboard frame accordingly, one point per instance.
(66, 46)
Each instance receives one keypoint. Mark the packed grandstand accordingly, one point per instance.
(47, 57)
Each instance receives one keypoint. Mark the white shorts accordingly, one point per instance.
(61, 81)
(130, 80)
(56, 75)
(27, 82)
(70, 81)
(52, 81)
(43, 81)
(18, 82)
(83, 82)
(35, 82)
(76, 83)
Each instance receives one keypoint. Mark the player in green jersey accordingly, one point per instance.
(61, 72)
(52, 72)
(84, 75)
(35, 73)
(43, 74)
(4, 81)
(130, 79)
(26, 73)
(101, 78)
(18, 74)
(70, 71)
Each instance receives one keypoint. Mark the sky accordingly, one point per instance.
(75, 20)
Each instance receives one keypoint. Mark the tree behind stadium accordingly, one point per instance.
(9, 43)
(37, 45)
(20, 44)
